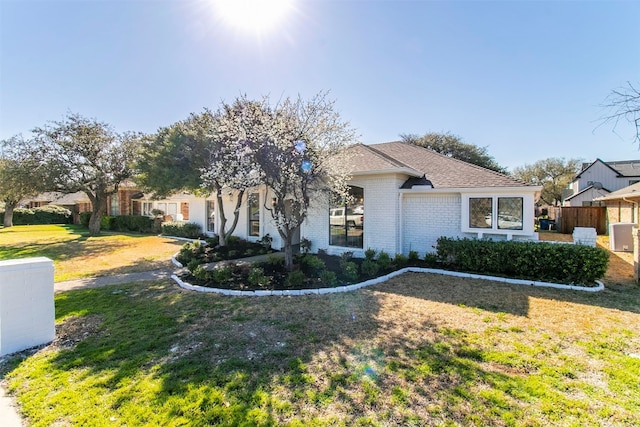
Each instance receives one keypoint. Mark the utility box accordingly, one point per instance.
(621, 236)
(27, 313)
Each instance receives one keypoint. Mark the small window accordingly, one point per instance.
(254, 214)
(480, 212)
(510, 213)
(211, 216)
(115, 205)
(147, 207)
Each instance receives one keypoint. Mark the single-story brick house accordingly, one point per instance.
(404, 198)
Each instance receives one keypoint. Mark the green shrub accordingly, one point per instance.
(349, 271)
(384, 261)
(544, 261)
(370, 254)
(266, 241)
(107, 222)
(431, 259)
(296, 279)
(414, 256)
(345, 257)
(305, 245)
(233, 240)
(193, 264)
(49, 214)
(257, 277)
(328, 278)
(52, 214)
(400, 261)
(369, 267)
(218, 275)
(191, 251)
(189, 230)
(84, 218)
(312, 265)
(134, 223)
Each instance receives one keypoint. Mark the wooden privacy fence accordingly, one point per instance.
(583, 216)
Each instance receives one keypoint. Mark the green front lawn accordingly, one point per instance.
(76, 254)
(418, 350)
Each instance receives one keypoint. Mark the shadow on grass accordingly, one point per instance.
(156, 355)
(501, 297)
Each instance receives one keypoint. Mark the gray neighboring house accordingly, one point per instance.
(598, 179)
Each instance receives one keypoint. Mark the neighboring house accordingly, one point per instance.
(600, 178)
(75, 202)
(622, 205)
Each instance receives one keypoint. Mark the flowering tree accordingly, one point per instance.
(300, 150)
(82, 154)
(20, 174)
(231, 166)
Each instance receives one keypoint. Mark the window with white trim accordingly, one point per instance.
(253, 201)
(483, 212)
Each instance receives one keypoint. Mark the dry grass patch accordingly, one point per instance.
(76, 254)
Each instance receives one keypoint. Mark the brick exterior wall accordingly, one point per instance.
(428, 217)
(620, 211)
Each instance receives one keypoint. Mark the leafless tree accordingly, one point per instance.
(623, 104)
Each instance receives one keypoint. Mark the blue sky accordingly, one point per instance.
(524, 79)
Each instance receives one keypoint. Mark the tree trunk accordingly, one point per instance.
(222, 235)
(8, 214)
(288, 249)
(223, 232)
(99, 206)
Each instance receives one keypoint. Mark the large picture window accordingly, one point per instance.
(254, 214)
(483, 212)
(346, 220)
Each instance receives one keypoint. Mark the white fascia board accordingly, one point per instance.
(405, 171)
(473, 190)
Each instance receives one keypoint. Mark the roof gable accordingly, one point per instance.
(621, 168)
(442, 171)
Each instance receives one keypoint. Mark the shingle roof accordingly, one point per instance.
(441, 170)
(630, 191)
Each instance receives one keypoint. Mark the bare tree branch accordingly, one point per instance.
(622, 104)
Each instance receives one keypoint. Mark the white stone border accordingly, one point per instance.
(348, 288)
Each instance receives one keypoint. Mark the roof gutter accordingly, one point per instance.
(478, 190)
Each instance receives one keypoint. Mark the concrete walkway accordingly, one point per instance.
(9, 414)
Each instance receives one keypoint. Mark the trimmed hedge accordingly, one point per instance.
(49, 214)
(130, 223)
(190, 230)
(562, 263)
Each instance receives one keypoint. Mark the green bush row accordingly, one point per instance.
(189, 230)
(131, 223)
(563, 263)
(49, 214)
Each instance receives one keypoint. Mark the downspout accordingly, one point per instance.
(400, 223)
